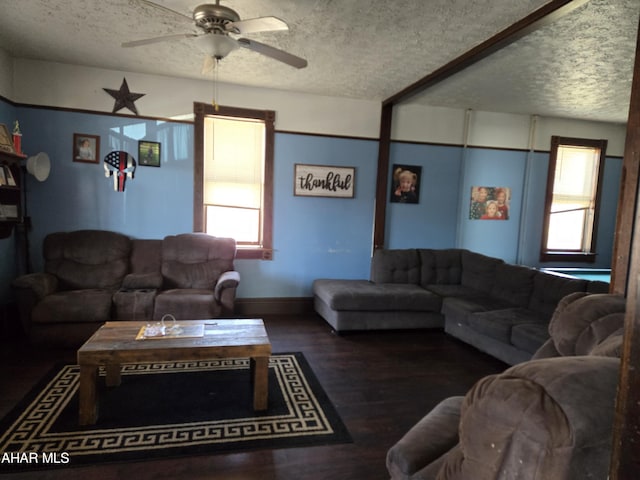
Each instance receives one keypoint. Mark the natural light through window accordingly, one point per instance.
(234, 178)
(572, 196)
(575, 182)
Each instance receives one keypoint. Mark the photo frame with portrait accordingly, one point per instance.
(489, 203)
(86, 148)
(405, 184)
(149, 153)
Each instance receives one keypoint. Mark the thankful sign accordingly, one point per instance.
(323, 181)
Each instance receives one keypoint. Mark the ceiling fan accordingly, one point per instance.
(218, 23)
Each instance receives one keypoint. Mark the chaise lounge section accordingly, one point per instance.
(500, 308)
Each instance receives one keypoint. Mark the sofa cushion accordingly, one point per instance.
(146, 256)
(478, 271)
(549, 289)
(87, 258)
(513, 284)
(368, 296)
(498, 324)
(186, 304)
(581, 321)
(395, 266)
(195, 260)
(440, 267)
(74, 306)
(454, 291)
(610, 346)
(529, 336)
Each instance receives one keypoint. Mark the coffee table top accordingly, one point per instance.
(115, 342)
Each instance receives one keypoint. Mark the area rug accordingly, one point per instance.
(169, 409)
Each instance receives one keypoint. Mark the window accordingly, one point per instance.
(573, 199)
(233, 173)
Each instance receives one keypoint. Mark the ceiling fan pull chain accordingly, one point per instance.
(216, 66)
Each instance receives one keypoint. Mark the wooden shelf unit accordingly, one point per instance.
(10, 195)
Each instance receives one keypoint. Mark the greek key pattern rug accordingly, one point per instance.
(170, 409)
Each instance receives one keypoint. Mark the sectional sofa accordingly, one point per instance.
(548, 418)
(500, 308)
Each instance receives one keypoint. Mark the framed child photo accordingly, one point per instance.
(405, 187)
(148, 153)
(86, 148)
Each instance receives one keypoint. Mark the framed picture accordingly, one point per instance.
(405, 186)
(323, 181)
(6, 142)
(148, 153)
(86, 148)
(489, 203)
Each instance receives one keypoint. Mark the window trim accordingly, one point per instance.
(202, 110)
(571, 256)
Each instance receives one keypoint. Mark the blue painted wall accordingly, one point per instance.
(313, 237)
(432, 223)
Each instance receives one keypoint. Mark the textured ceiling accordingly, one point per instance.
(580, 67)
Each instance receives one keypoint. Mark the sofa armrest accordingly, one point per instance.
(427, 441)
(229, 279)
(41, 284)
(547, 418)
(225, 290)
(30, 290)
(142, 281)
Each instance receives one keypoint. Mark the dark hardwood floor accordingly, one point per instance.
(381, 383)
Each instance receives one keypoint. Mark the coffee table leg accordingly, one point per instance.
(112, 375)
(88, 411)
(260, 380)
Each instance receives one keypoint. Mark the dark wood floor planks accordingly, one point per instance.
(381, 383)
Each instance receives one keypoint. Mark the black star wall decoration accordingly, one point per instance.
(124, 98)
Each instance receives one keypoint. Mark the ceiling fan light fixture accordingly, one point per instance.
(216, 45)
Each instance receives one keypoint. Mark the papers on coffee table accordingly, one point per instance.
(148, 332)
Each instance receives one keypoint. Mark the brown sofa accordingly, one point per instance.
(547, 418)
(93, 276)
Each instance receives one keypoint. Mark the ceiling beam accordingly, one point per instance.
(545, 15)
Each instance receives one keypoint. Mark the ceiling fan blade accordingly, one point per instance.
(166, 38)
(166, 9)
(273, 52)
(255, 25)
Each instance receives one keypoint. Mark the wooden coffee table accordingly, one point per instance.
(115, 344)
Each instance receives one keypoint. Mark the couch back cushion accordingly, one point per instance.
(440, 267)
(582, 322)
(395, 266)
(479, 271)
(146, 256)
(86, 259)
(549, 289)
(513, 284)
(196, 260)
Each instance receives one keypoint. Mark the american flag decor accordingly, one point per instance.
(119, 165)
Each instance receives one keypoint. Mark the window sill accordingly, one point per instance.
(254, 253)
(577, 257)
